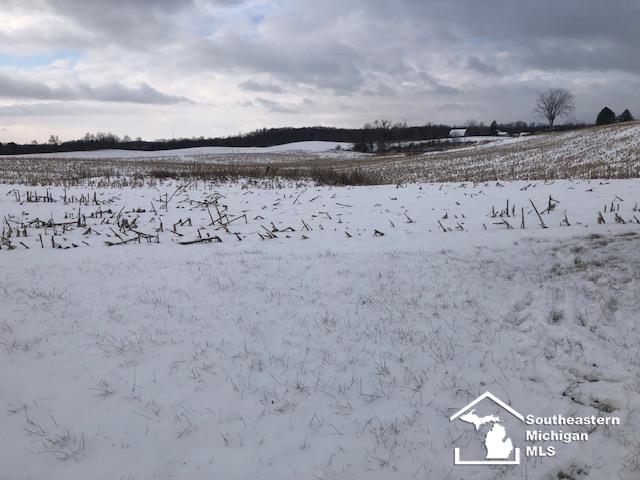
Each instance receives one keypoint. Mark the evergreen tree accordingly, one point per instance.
(626, 116)
(606, 117)
(494, 128)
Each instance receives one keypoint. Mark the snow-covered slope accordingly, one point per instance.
(601, 152)
(307, 147)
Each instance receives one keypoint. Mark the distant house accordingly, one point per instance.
(458, 132)
(503, 134)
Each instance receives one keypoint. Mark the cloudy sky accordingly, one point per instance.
(165, 68)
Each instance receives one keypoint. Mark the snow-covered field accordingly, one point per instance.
(327, 149)
(470, 139)
(611, 151)
(329, 333)
(602, 152)
(287, 153)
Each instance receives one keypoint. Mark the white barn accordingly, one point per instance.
(458, 132)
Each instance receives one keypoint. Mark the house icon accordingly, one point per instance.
(500, 450)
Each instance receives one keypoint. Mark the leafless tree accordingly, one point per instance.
(554, 103)
(382, 130)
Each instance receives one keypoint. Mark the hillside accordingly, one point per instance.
(195, 152)
(600, 152)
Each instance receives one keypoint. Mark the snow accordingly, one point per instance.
(601, 152)
(455, 140)
(310, 151)
(321, 357)
(306, 147)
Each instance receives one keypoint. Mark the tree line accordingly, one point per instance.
(369, 138)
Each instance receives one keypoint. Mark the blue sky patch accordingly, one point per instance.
(37, 60)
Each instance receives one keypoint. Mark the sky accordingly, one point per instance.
(185, 68)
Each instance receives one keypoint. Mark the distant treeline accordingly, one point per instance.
(379, 132)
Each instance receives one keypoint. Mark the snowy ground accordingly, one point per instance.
(305, 344)
(287, 153)
(612, 151)
(328, 149)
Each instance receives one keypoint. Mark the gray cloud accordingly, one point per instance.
(421, 60)
(480, 66)
(328, 65)
(274, 106)
(136, 24)
(11, 87)
(253, 86)
(132, 22)
(577, 56)
(379, 89)
(54, 109)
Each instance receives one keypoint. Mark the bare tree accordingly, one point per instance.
(554, 103)
(381, 129)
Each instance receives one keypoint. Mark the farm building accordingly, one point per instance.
(458, 132)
